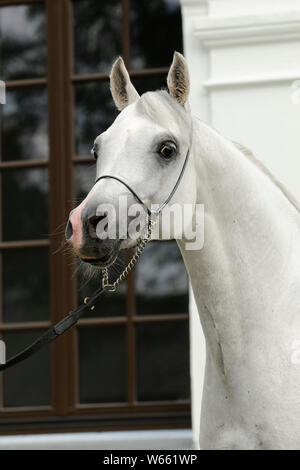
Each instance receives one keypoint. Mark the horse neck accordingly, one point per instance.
(250, 228)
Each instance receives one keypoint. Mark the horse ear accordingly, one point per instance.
(178, 78)
(122, 90)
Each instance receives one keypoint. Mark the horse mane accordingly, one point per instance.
(248, 153)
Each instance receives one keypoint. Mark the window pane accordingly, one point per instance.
(102, 364)
(25, 204)
(22, 42)
(28, 383)
(155, 32)
(161, 280)
(94, 113)
(97, 34)
(163, 361)
(24, 125)
(25, 285)
(85, 175)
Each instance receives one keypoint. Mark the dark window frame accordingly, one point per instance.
(65, 413)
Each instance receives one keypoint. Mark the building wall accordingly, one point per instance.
(244, 58)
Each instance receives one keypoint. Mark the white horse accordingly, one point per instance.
(246, 278)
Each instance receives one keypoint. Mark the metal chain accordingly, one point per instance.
(139, 249)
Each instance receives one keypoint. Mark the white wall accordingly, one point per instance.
(244, 56)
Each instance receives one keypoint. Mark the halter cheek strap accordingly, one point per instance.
(160, 208)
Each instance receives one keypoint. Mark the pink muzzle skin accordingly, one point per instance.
(75, 219)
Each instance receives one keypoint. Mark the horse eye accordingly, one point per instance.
(95, 155)
(167, 150)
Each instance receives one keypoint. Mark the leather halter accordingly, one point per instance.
(72, 318)
(160, 208)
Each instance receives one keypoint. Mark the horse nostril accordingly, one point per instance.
(69, 230)
(93, 221)
(92, 224)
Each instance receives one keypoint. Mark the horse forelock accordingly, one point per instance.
(162, 108)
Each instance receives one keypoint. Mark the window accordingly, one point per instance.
(127, 364)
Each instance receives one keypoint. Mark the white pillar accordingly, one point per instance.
(244, 58)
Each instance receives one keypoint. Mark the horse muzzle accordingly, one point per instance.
(90, 245)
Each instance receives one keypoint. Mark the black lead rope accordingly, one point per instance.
(72, 318)
(53, 332)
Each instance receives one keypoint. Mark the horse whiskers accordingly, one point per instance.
(88, 273)
(59, 229)
(118, 265)
(64, 248)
